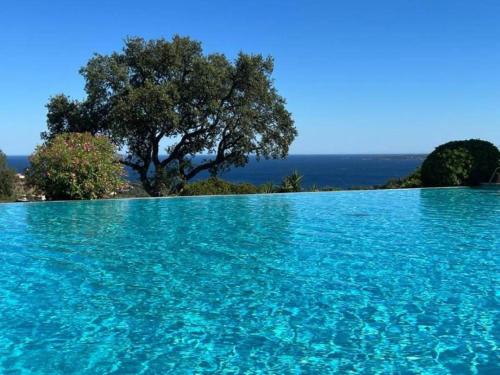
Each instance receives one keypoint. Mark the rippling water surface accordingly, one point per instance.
(350, 282)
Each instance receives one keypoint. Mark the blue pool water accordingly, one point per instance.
(376, 282)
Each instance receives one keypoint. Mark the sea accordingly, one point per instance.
(324, 171)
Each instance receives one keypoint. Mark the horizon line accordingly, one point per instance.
(309, 154)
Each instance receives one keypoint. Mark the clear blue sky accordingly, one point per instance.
(359, 76)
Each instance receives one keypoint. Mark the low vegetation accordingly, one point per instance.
(76, 166)
(414, 180)
(292, 183)
(216, 186)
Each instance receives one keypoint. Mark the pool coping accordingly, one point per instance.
(236, 195)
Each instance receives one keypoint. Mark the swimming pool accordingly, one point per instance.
(403, 281)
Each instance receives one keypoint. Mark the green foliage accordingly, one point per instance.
(76, 166)
(292, 183)
(132, 190)
(216, 186)
(457, 163)
(166, 181)
(267, 188)
(169, 92)
(65, 115)
(414, 180)
(7, 178)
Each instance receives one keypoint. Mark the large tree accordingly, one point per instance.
(168, 98)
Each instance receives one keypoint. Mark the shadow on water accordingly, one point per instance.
(154, 232)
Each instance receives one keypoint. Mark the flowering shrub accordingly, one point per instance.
(76, 166)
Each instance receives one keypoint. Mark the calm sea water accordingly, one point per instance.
(342, 171)
(402, 282)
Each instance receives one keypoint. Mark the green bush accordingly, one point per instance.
(292, 183)
(216, 186)
(132, 190)
(267, 188)
(7, 178)
(414, 180)
(457, 163)
(76, 166)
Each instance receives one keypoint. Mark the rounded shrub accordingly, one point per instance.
(76, 166)
(456, 163)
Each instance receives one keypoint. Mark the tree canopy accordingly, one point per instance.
(168, 97)
(7, 178)
(467, 162)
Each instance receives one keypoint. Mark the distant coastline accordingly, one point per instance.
(335, 170)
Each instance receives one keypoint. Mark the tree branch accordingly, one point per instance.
(186, 137)
(176, 151)
(128, 163)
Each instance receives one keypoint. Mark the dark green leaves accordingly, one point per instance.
(167, 94)
(456, 163)
(7, 178)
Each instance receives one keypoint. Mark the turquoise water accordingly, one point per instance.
(351, 282)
